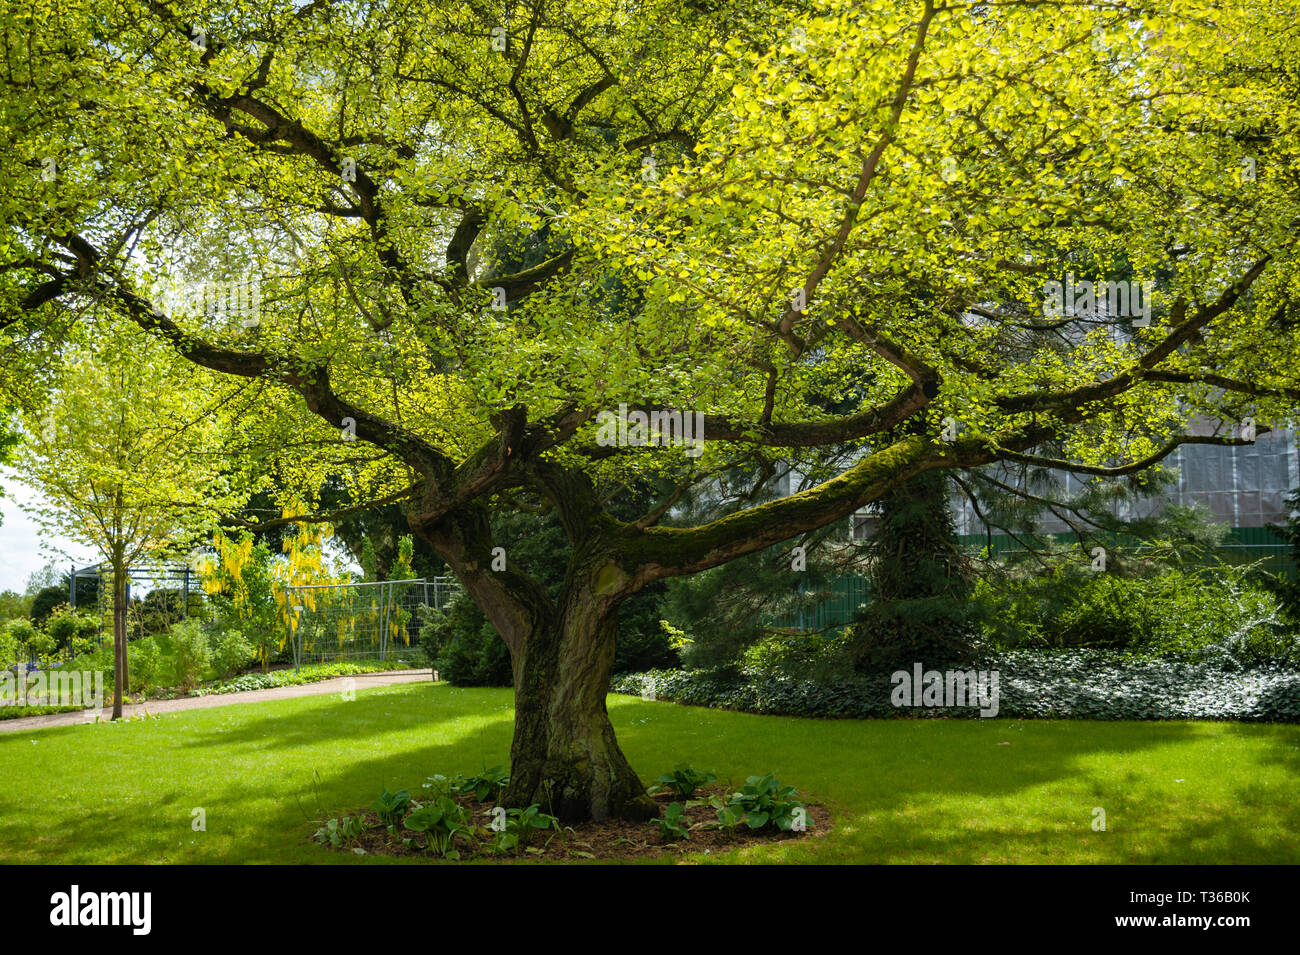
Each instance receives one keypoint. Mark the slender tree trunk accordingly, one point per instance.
(565, 756)
(120, 675)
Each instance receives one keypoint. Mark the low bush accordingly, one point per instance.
(8, 647)
(186, 654)
(673, 823)
(441, 824)
(764, 801)
(515, 828)
(41, 646)
(145, 668)
(483, 786)
(799, 654)
(231, 653)
(13, 640)
(311, 673)
(1212, 613)
(339, 832)
(24, 642)
(72, 630)
(463, 647)
(42, 709)
(170, 665)
(442, 821)
(99, 657)
(391, 806)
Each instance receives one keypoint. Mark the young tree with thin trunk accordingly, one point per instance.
(864, 228)
(125, 459)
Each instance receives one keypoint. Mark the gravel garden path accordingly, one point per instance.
(153, 707)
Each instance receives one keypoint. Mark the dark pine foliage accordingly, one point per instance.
(1287, 589)
(921, 609)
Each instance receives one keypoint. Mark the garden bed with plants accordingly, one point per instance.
(1076, 684)
(21, 712)
(458, 819)
(287, 676)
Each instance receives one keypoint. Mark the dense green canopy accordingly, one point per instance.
(459, 231)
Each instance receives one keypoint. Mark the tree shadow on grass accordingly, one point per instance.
(371, 712)
(271, 818)
(245, 822)
(1283, 742)
(902, 772)
(280, 772)
(1204, 842)
(895, 759)
(933, 790)
(1281, 749)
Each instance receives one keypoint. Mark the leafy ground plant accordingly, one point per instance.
(730, 816)
(515, 827)
(441, 821)
(483, 786)
(765, 801)
(684, 780)
(337, 832)
(391, 806)
(672, 824)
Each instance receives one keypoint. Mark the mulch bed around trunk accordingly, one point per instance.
(613, 840)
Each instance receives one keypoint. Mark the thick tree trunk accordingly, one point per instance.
(120, 675)
(565, 756)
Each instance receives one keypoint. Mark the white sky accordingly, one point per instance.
(24, 548)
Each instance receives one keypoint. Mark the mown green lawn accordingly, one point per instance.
(916, 791)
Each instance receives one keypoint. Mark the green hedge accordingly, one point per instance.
(1077, 684)
(19, 712)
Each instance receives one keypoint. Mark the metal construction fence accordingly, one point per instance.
(1244, 545)
(380, 620)
(848, 596)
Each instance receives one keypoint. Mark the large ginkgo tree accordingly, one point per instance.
(855, 231)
